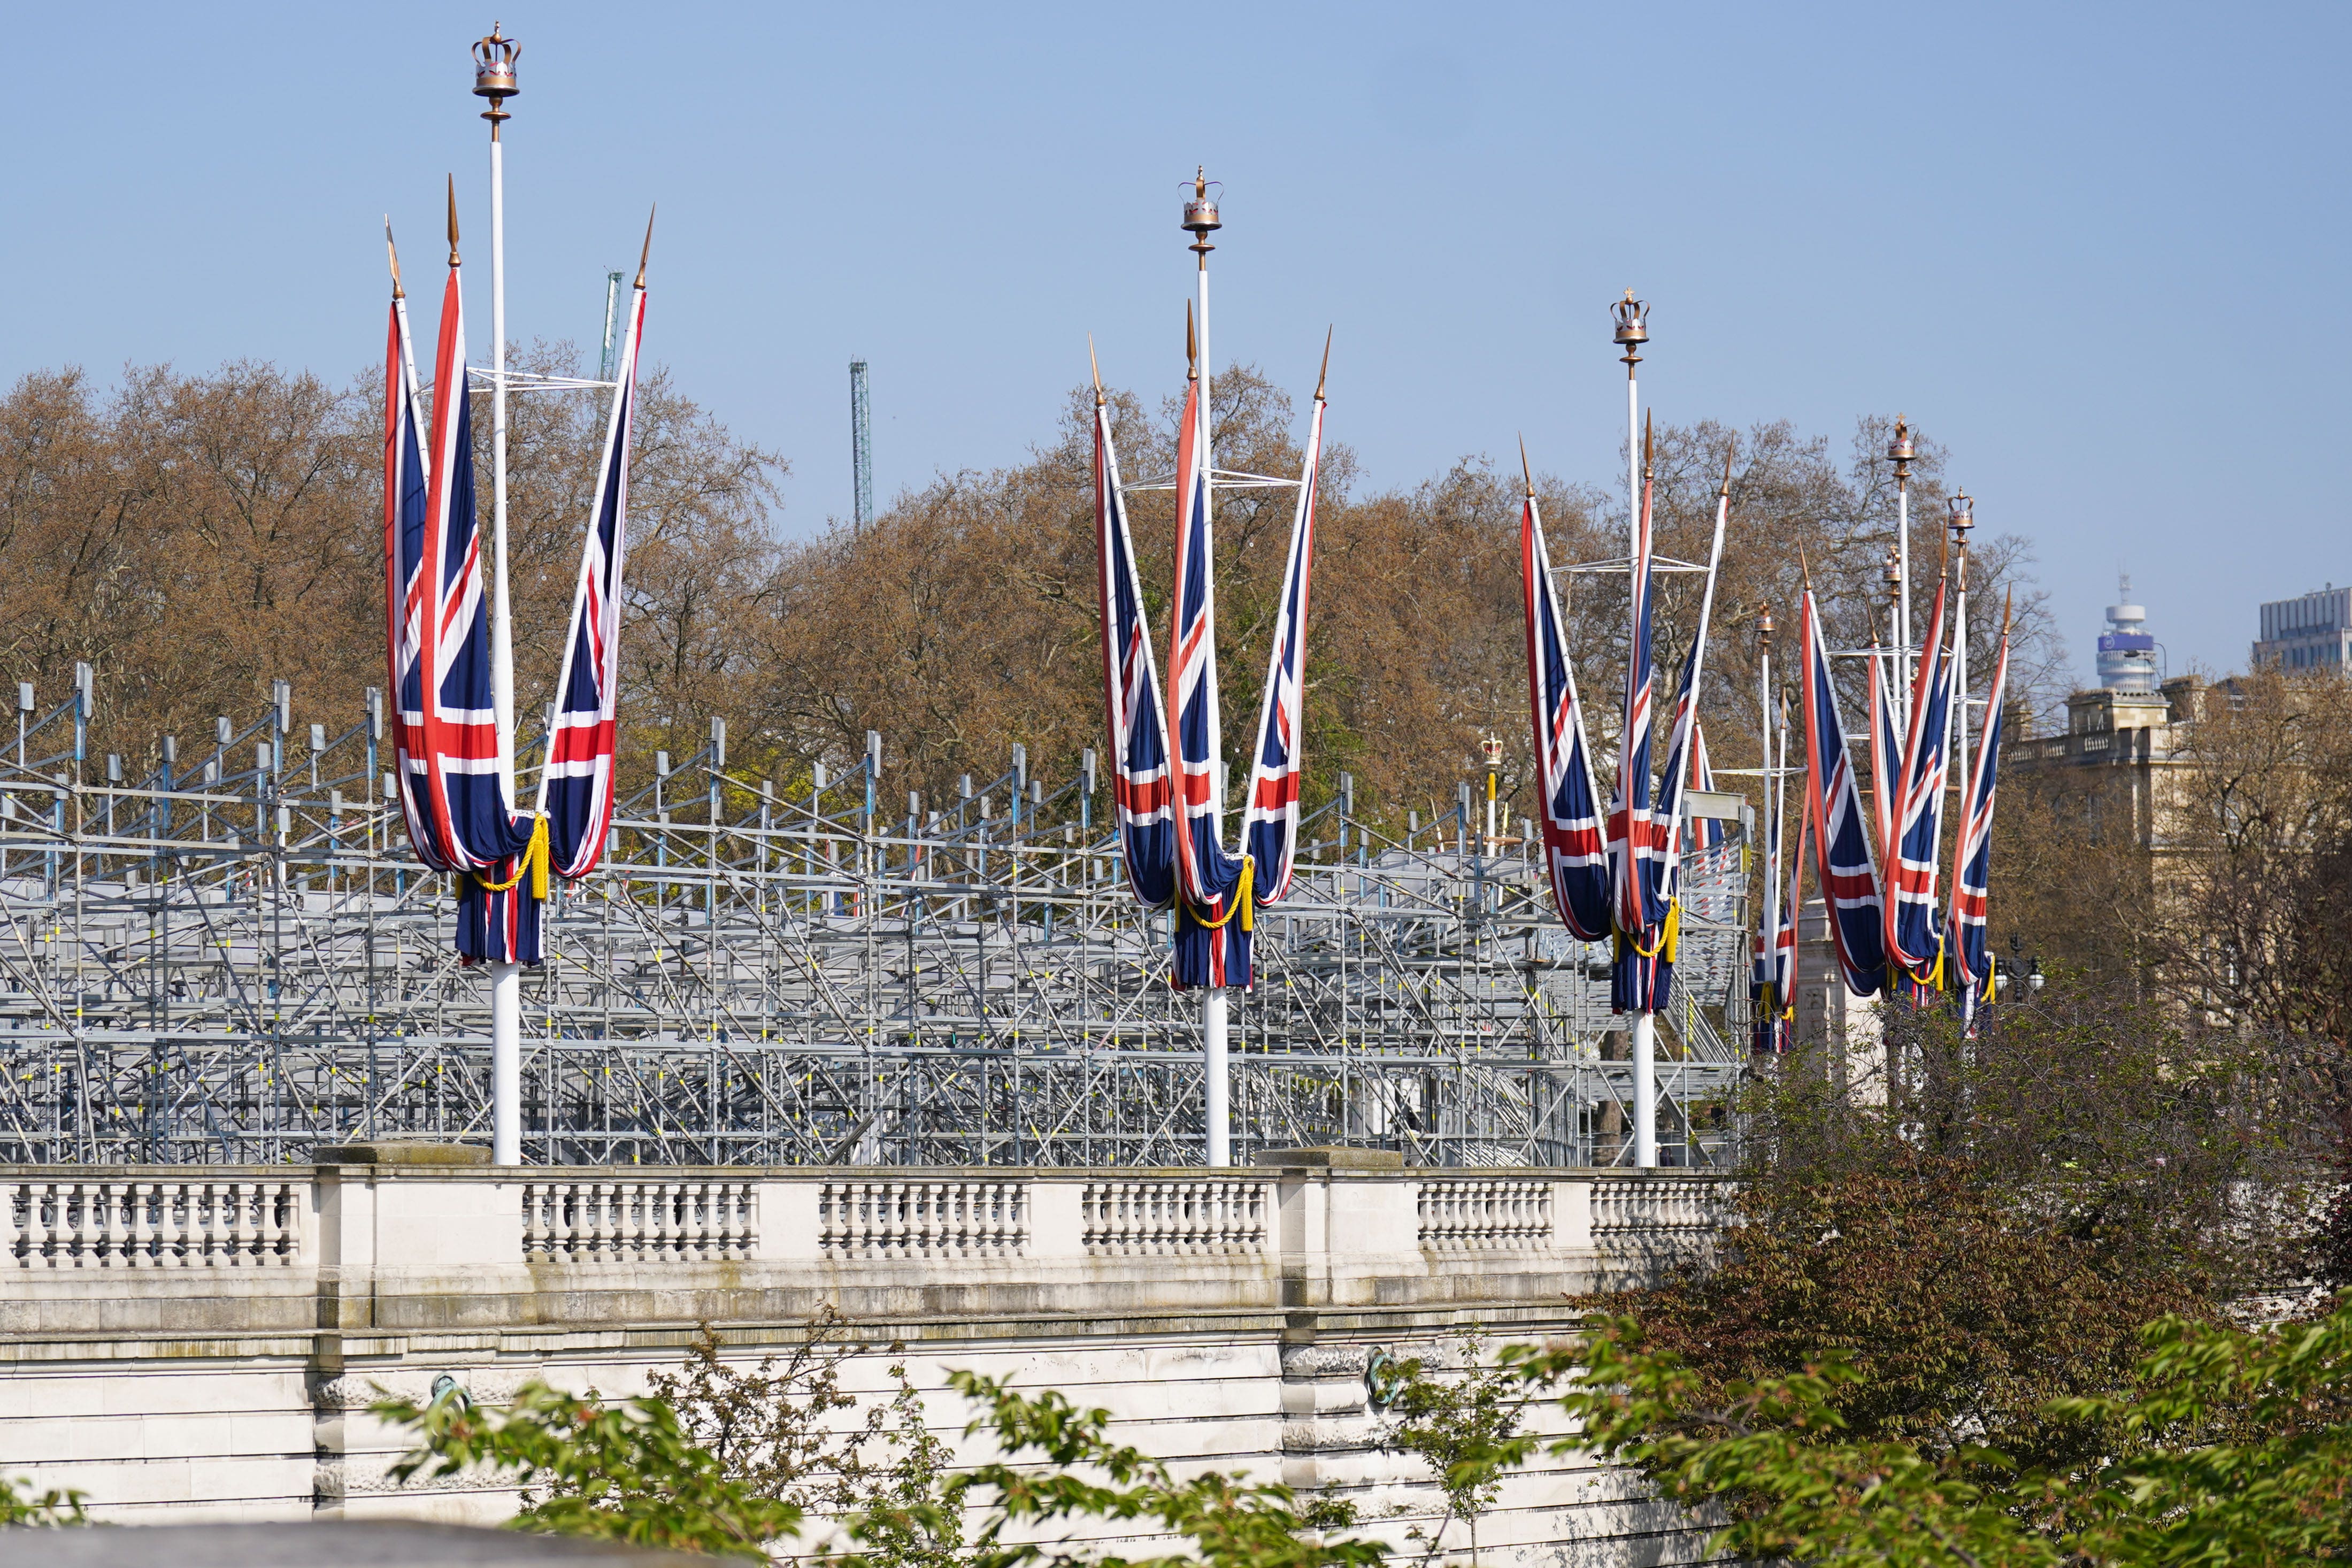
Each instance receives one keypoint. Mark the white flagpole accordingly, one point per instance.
(1961, 522)
(1770, 912)
(494, 78)
(1200, 219)
(1900, 450)
(1633, 331)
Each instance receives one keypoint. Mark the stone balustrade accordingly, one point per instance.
(204, 1343)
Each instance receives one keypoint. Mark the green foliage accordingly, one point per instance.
(2242, 1454)
(1959, 1318)
(1075, 1474)
(787, 1431)
(19, 1504)
(1454, 1423)
(623, 1471)
(2248, 1449)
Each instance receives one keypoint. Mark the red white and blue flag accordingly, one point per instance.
(1914, 930)
(1270, 821)
(1847, 869)
(1576, 851)
(406, 500)
(1638, 853)
(455, 781)
(1212, 919)
(1641, 979)
(1885, 750)
(1138, 738)
(575, 790)
(1772, 985)
(1970, 961)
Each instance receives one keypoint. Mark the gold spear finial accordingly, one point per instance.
(453, 220)
(1649, 445)
(394, 251)
(649, 250)
(1525, 472)
(1095, 365)
(1728, 452)
(1325, 373)
(1192, 349)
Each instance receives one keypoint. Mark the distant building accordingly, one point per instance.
(2310, 633)
(2127, 654)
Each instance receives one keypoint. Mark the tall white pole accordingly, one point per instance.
(1216, 1106)
(1900, 450)
(1961, 523)
(506, 979)
(1633, 331)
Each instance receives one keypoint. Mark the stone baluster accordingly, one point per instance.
(141, 1241)
(241, 1234)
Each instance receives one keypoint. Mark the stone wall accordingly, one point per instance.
(204, 1343)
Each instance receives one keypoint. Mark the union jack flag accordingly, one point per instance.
(1971, 965)
(406, 500)
(1639, 851)
(1138, 740)
(1845, 867)
(575, 789)
(1771, 983)
(1885, 750)
(1913, 933)
(1641, 979)
(457, 779)
(1270, 822)
(1213, 924)
(1576, 853)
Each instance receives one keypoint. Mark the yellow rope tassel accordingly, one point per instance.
(1242, 904)
(1669, 936)
(532, 863)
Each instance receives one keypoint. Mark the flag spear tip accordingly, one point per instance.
(453, 220)
(1324, 374)
(393, 251)
(1192, 349)
(1649, 443)
(1728, 452)
(1096, 365)
(1525, 472)
(647, 253)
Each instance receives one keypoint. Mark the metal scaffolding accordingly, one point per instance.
(233, 963)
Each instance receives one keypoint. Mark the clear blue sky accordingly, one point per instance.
(2097, 250)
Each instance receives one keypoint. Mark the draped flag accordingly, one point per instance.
(1845, 867)
(1637, 872)
(575, 789)
(455, 782)
(406, 498)
(1576, 854)
(1138, 739)
(1270, 821)
(1641, 979)
(1773, 987)
(1885, 752)
(1914, 932)
(1213, 914)
(1970, 964)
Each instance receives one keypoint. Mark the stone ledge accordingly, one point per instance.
(1332, 1157)
(403, 1151)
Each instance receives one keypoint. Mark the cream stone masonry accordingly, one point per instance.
(204, 1343)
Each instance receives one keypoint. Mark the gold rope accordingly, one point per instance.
(1241, 905)
(532, 864)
